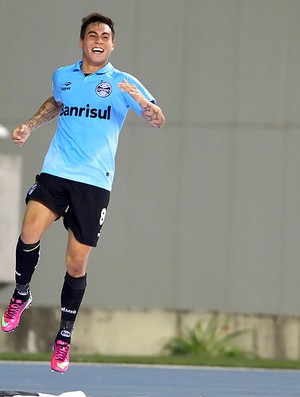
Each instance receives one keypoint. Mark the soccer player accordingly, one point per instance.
(91, 99)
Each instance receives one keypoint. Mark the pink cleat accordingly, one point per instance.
(12, 316)
(60, 358)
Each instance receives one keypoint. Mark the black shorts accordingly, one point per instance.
(82, 206)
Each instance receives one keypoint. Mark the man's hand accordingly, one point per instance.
(132, 90)
(48, 111)
(20, 134)
(151, 113)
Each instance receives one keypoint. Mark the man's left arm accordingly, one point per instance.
(150, 112)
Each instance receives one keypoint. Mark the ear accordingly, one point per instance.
(80, 43)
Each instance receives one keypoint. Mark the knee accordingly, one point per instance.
(30, 234)
(76, 264)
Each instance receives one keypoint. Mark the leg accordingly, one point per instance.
(71, 296)
(77, 256)
(36, 220)
(73, 289)
(83, 220)
(75, 281)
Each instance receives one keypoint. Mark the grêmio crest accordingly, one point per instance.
(103, 89)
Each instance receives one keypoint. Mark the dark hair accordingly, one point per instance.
(96, 18)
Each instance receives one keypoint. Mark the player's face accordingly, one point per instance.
(97, 45)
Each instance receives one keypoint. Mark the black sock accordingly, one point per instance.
(64, 335)
(71, 296)
(27, 259)
(21, 292)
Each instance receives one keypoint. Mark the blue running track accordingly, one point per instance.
(149, 381)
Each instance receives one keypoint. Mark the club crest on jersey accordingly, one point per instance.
(103, 89)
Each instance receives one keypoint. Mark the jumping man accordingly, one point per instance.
(91, 99)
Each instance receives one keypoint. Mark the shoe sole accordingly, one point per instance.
(58, 372)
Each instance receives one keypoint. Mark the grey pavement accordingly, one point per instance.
(149, 381)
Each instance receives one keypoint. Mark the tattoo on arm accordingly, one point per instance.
(47, 112)
(153, 115)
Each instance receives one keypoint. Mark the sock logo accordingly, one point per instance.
(63, 309)
(65, 333)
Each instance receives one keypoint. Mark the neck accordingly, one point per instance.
(89, 69)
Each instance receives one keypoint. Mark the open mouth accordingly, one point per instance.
(97, 50)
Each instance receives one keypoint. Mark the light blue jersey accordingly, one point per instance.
(93, 111)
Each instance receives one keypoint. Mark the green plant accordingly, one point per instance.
(212, 340)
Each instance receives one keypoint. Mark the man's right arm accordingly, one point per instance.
(48, 111)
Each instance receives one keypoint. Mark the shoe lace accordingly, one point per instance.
(61, 351)
(13, 309)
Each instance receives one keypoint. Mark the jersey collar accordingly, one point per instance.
(104, 70)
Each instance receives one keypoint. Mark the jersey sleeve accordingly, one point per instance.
(131, 102)
(55, 87)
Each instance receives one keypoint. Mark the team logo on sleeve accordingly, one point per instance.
(103, 89)
(66, 86)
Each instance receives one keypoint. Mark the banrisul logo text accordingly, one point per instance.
(87, 111)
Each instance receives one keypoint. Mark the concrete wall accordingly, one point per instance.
(145, 332)
(204, 213)
(10, 187)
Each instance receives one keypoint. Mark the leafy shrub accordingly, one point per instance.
(212, 340)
